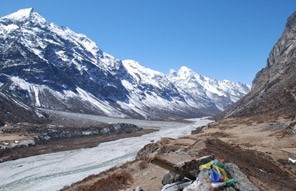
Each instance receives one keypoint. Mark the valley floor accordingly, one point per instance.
(65, 144)
(264, 151)
(22, 137)
(53, 171)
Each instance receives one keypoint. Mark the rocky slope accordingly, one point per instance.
(15, 112)
(43, 65)
(274, 87)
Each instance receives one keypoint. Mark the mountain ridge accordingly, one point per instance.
(47, 66)
(273, 91)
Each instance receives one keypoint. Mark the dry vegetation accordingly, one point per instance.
(114, 182)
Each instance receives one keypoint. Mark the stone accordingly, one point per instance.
(190, 169)
(170, 178)
(176, 186)
(242, 180)
(138, 189)
(202, 183)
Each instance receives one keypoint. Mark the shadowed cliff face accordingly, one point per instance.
(12, 112)
(274, 87)
(280, 58)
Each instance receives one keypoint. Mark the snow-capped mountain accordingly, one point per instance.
(201, 91)
(47, 66)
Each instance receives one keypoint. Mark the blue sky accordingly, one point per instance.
(228, 39)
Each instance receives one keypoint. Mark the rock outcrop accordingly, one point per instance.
(53, 132)
(274, 87)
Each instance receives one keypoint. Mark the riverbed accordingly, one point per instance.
(53, 171)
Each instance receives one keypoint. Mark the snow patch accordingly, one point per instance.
(144, 75)
(21, 104)
(9, 28)
(94, 101)
(62, 55)
(20, 14)
(78, 65)
(69, 94)
(77, 39)
(89, 45)
(37, 102)
(292, 160)
(20, 82)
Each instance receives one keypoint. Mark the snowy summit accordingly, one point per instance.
(25, 14)
(47, 66)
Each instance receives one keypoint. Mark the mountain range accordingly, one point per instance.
(45, 66)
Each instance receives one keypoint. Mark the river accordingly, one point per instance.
(53, 171)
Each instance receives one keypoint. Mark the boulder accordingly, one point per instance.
(188, 169)
(171, 177)
(243, 182)
(202, 182)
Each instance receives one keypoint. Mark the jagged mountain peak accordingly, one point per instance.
(22, 13)
(185, 69)
(135, 64)
(187, 72)
(143, 75)
(188, 80)
(29, 19)
(135, 67)
(188, 75)
(26, 14)
(132, 63)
